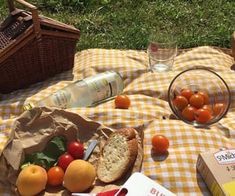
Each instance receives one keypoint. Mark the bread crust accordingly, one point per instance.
(129, 135)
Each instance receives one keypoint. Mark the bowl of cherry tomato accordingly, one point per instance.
(199, 96)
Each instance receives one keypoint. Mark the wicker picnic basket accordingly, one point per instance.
(33, 47)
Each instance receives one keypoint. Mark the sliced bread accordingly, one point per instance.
(118, 155)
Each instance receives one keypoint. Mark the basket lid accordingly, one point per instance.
(12, 27)
(51, 23)
(12, 40)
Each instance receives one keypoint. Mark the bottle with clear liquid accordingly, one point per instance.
(83, 93)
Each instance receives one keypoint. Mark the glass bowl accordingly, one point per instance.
(199, 96)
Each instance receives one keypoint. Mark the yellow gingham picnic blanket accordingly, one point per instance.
(149, 110)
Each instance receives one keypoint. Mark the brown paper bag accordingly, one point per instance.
(32, 131)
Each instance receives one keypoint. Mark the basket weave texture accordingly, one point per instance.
(33, 48)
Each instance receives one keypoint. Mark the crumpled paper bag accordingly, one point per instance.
(32, 131)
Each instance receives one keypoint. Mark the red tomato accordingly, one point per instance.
(122, 102)
(202, 115)
(187, 93)
(218, 108)
(55, 176)
(64, 161)
(188, 113)
(196, 100)
(76, 149)
(205, 96)
(180, 102)
(160, 144)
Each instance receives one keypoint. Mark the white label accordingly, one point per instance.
(225, 156)
(101, 89)
(61, 98)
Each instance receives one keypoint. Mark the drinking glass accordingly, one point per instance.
(161, 55)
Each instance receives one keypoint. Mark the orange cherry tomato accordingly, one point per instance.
(187, 93)
(189, 113)
(209, 108)
(160, 144)
(180, 102)
(202, 115)
(218, 108)
(196, 100)
(55, 176)
(205, 96)
(122, 102)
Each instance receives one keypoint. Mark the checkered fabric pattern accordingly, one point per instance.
(149, 110)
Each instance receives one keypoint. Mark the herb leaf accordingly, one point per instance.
(55, 147)
(49, 156)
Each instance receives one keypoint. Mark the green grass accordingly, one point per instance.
(127, 24)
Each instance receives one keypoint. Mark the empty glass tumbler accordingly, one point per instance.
(161, 55)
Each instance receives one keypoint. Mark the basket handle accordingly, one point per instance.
(33, 10)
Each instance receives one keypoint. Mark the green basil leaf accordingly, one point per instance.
(55, 147)
(49, 156)
(43, 160)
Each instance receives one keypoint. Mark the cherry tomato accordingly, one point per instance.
(160, 144)
(55, 176)
(64, 161)
(187, 93)
(209, 108)
(218, 108)
(196, 100)
(180, 102)
(202, 115)
(189, 113)
(76, 149)
(122, 102)
(205, 96)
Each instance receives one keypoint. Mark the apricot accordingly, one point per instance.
(31, 180)
(79, 176)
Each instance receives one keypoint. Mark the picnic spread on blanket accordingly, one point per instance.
(109, 121)
(149, 114)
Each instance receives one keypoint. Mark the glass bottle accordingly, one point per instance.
(82, 93)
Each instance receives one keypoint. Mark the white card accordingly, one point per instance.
(141, 185)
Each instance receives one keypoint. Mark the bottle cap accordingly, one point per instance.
(28, 106)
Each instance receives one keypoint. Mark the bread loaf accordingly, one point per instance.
(118, 155)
